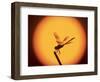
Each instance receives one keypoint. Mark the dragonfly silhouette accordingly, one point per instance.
(61, 43)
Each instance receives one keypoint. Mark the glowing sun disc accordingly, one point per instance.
(44, 40)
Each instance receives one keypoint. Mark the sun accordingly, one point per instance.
(43, 40)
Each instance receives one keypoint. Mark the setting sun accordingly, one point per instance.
(44, 42)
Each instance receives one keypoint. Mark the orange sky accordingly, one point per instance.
(44, 40)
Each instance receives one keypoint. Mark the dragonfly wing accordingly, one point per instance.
(65, 39)
(57, 38)
(69, 41)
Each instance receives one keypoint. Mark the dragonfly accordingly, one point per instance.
(61, 43)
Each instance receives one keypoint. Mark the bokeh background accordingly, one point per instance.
(33, 22)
